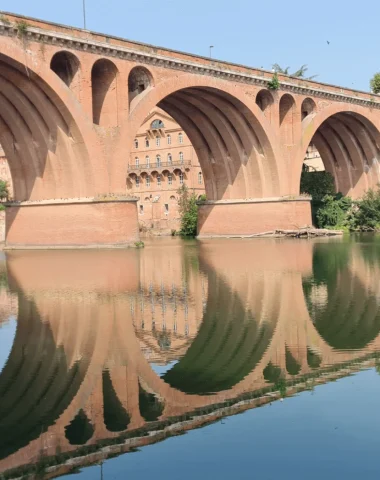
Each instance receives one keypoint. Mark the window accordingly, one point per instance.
(181, 178)
(180, 138)
(169, 139)
(141, 209)
(137, 161)
(157, 124)
(147, 143)
(147, 181)
(159, 180)
(137, 182)
(170, 159)
(158, 161)
(147, 161)
(200, 177)
(158, 141)
(166, 208)
(181, 157)
(170, 179)
(136, 143)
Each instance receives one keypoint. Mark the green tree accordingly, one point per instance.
(188, 210)
(317, 184)
(366, 214)
(4, 190)
(375, 83)
(300, 73)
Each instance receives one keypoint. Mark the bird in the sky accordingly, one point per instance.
(328, 43)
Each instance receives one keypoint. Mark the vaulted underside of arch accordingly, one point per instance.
(44, 147)
(234, 152)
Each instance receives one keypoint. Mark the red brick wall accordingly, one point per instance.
(249, 218)
(72, 224)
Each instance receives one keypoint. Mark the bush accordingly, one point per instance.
(365, 216)
(188, 210)
(333, 211)
(375, 83)
(274, 84)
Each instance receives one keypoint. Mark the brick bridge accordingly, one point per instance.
(72, 101)
(83, 348)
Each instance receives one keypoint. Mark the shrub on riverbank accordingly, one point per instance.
(333, 211)
(188, 210)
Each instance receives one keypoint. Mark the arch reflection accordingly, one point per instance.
(227, 322)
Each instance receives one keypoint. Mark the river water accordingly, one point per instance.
(192, 359)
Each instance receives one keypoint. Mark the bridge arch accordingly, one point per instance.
(104, 82)
(45, 147)
(235, 143)
(348, 140)
(66, 65)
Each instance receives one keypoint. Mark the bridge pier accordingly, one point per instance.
(247, 217)
(72, 223)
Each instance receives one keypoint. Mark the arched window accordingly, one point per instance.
(166, 208)
(158, 161)
(172, 198)
(137, 161)
(158, 141)
(159, 180)
(170, 159)
(200, 178)
(141, 209)
(147, 143)
(156, 124)
(136, 143)
(170, 179)
(181, 178)
(146, 199)
(180, 138)
(137, 182)
(169, 139)
(181, 157)
(147, 161)
(148, 181)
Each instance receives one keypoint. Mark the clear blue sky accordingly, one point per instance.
(250, 32)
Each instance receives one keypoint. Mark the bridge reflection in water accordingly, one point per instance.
(231, 325)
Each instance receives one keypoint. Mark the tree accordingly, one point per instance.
(188, 210)
(375, 83)
(300, 73)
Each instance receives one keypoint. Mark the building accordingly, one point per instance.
(162, 159)
(313, 159)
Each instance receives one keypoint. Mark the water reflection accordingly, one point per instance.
(117, 348)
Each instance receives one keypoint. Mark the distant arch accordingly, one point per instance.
(308, 107)
(264, 99)
(139, 80)
(66, 66)
(104, 75)
(287, 113)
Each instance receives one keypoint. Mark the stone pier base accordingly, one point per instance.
(71, 224)
(247, 217)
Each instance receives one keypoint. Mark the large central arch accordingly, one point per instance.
(232, 137)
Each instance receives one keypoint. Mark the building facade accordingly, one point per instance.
(162, 159)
